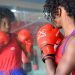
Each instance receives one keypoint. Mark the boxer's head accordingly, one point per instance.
(59, 10)
(6, 18)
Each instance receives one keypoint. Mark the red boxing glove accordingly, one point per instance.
(60, 38)
(24, 37)
(47, 37)
(4, 39)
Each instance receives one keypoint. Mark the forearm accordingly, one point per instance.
(50, 66)
(64, 68)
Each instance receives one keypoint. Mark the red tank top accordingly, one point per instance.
(10, 57)
(60, 50)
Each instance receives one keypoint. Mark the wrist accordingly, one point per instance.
(49, 56)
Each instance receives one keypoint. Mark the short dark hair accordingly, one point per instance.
(5, 12)
(51, 7)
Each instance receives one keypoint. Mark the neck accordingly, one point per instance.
(68, 25)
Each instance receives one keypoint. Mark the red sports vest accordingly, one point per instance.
(10, 56)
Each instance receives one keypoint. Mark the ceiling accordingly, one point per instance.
(29, 5)
(33, 1)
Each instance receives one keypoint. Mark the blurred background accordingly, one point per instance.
(30, 14)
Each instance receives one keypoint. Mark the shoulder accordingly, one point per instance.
(70, 48)
(71, 42)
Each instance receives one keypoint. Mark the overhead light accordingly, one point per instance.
(13, 10)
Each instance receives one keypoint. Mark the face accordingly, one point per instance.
(57, 19)
(4, 25)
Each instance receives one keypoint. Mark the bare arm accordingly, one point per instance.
(67, 62)
(50, 66)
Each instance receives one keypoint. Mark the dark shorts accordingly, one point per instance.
(27, 67)
(13, 72)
